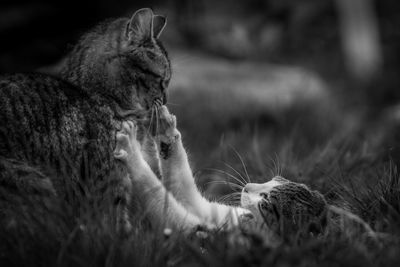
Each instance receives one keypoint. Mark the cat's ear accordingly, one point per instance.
(159, 23)
(140, 27)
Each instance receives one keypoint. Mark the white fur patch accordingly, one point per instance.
(251, 194)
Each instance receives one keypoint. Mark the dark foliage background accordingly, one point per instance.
(308, 89)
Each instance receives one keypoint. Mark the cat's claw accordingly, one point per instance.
(126, 143)
(121, 147)
(129, 128)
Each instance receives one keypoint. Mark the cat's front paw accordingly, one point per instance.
(168, 132)
(127, 147)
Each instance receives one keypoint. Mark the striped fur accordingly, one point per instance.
(50, 125)
(107, 63)
(64, 128)
(290, 207)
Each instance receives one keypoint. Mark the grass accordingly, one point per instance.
(330, 148)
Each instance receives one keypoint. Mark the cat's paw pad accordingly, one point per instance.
(126, 143)
(168, 132)
(122, 147)
(129, 128)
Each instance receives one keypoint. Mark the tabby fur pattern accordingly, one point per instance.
(63, 128)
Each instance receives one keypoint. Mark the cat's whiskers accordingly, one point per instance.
(279, 169)
(229, 174)
(157, 121)
(231, 202)
(238, 173)
(158, 102)
(274, 169)
(151, 120)
(231, 198)
(230, 184)
(243, 165)
(271, 169)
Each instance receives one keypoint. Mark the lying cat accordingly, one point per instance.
(284, 206)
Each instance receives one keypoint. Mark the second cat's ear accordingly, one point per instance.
(140, 27)
(159, 23)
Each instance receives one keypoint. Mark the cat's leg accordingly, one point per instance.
(25, 178)
(123, 198)
(160, 205)
(23, 187)
(150, 154)
(180, 181)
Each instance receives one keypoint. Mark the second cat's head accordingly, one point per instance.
(124, 60)
(285, 206)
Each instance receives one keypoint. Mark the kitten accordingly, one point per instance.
(64, 127)
(281, 205)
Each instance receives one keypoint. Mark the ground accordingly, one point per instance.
(252, 121)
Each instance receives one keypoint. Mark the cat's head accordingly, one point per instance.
(123, 60)
(285, 206)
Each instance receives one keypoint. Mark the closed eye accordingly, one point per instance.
(276, 212)
(148, 72)
(263, 204)
(271, 208)
(263, 209)
(150, 55)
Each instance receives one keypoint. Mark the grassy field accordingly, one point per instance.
(254, 121)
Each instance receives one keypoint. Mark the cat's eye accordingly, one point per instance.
(263, 205)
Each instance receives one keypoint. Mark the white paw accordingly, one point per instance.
(130, 129)
(126, 143)
(168, 132)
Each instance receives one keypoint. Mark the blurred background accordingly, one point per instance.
(305, 88)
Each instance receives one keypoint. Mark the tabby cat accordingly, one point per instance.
(60, 130)
(283, 206)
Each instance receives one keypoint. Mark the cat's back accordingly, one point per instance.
(25, 87)
(42, 117)
(52, 136)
